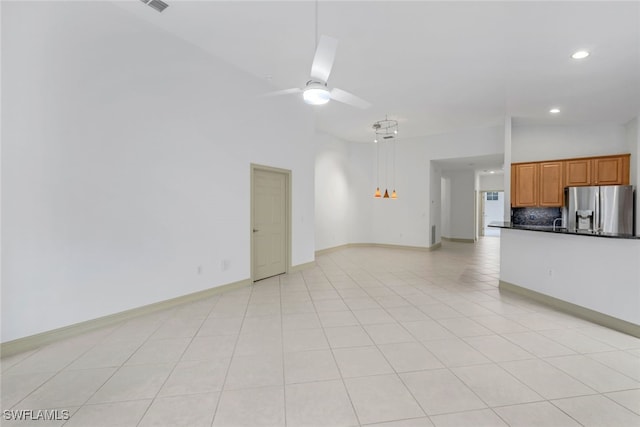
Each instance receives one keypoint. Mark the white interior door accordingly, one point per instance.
(269, 223)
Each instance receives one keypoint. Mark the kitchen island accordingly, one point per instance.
(595, 276)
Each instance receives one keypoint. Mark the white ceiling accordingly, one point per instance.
(434, 66)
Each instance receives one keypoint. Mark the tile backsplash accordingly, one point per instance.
(534, 216)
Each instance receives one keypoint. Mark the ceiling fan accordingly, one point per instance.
(315, 91)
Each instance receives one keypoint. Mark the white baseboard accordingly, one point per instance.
(377, 245)
(576, 310)
(457, 240)
(34, 341)
(300, 267)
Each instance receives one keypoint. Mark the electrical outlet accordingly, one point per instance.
(224, 264)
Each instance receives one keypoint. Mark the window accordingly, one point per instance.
(492, 195)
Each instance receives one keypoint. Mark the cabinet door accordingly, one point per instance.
(525, 185)
(578, 172)
(610, 170)
(551, 184)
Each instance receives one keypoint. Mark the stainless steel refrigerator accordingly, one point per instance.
(606, 209)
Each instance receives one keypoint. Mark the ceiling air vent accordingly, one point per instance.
(158, 5)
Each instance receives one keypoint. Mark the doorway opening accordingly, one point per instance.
(270, 221)
(492, 209)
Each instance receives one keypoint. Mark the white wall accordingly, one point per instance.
(466, 143)
(462, 204)
(494, 182)
(362, 187)
(403, 221)
(126, 165)
(534, 143)
(508, 129)
(445, 205)
(435, 198)
(406, 221)
(333, 192)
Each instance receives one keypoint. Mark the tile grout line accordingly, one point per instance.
(333, 356)
(153, 400)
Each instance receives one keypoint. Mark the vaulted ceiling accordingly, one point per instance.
(434, 66)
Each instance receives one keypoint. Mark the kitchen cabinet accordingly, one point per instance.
(524, 185)
(542, 183)
(578, 172)
(611, 170)
(537, 184)
(551, 184)
(605, 170)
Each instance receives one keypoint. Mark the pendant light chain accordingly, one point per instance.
(377, 193)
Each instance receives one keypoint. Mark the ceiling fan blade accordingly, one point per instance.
(281, 92)
(348, 98)
(323, 59)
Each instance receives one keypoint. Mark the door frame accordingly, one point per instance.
(483, 197)
(287, 212)
(481, 208)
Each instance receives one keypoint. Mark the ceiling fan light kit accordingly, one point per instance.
(316, 93)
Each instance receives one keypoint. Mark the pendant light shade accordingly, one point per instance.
(386, 194)
(394, 195)
(377, 194)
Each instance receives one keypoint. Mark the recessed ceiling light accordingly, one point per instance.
(554, 110)
(492, 171)
(581, 54)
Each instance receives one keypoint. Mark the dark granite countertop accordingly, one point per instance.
(557, 230)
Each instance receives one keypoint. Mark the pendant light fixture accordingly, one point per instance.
(377, 194)
(386, 131)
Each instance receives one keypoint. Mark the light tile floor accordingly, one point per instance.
(370, 336)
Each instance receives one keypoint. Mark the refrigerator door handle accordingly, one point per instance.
(597, 226)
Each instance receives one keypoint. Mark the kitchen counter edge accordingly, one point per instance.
(549, 229)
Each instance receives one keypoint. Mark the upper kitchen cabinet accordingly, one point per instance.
(542, 183)
(605, 170)
(551, 182)
(537, 184)
(578, 172)
(611, 170)
(524, 184)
